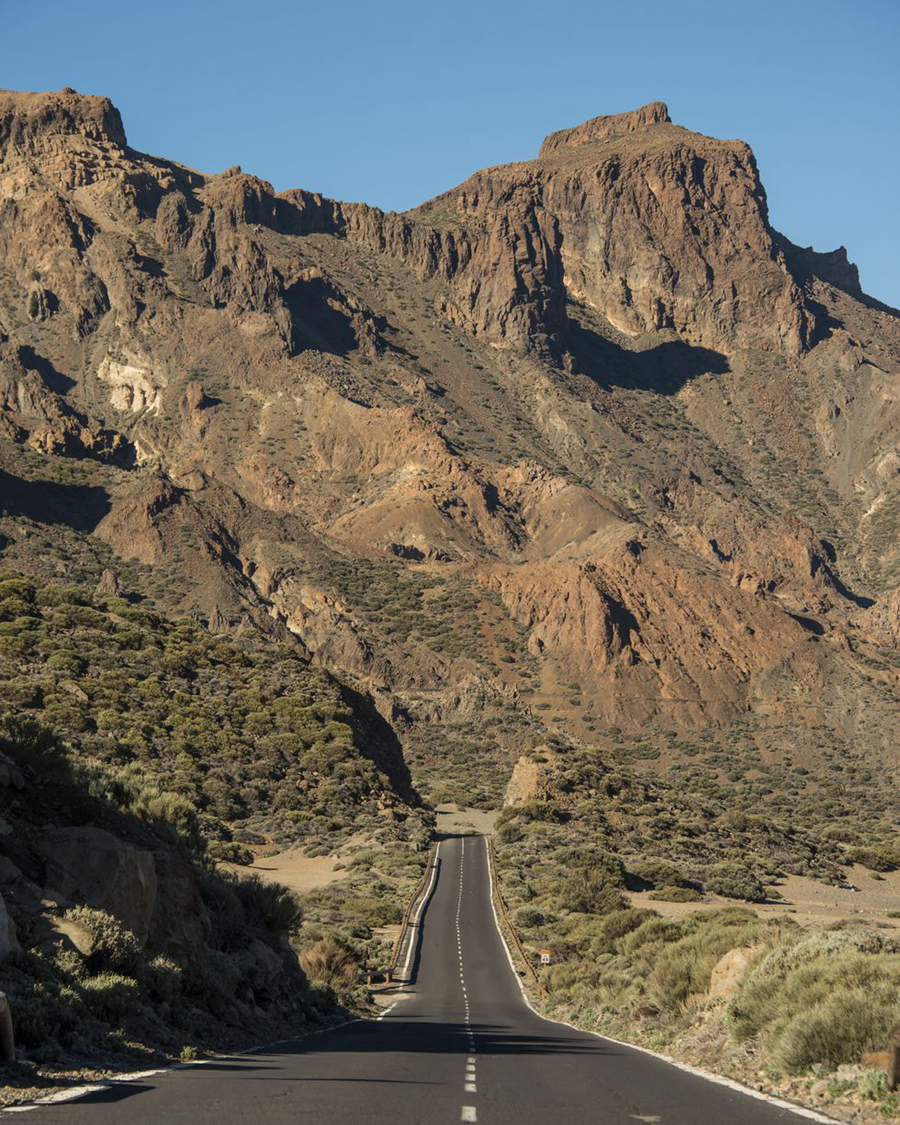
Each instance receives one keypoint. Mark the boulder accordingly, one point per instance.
(728, 971)
(92, 866)
(179, 926)
(261, 967)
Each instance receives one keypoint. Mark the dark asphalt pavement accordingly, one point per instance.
(460, 1045)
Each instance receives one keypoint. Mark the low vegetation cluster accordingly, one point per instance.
(797, 1007)
(195, 749)
(224, 740)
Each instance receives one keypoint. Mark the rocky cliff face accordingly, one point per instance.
(584, 435)
(652, 226)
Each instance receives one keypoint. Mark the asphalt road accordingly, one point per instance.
(461, 1045)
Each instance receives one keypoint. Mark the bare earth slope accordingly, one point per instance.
(582, 442)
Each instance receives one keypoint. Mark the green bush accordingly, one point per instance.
(655, 871)
(883, 857)
(42, 1015)
(735, 880)
(162, 980)
(31, 744)
(621, 922)
(838, 1029)
(270, 904)
(591, 892)
(528, 917)
(228, 851)
(675, 894)
(170, 808)
(683, 968)
(111, 996)
(114, 947)
(796, 997)
(213, 981)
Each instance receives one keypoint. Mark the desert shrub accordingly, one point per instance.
(115, 948)
(882, 857)
(653, 932)
(38, 1019)
(270, 904)
(655, 872)
(229, 851)
(838, 1029)
(621, 922)
(796, 989)
(598, 860)
(509, 832)
(212, 981)
(591, 892)
(873, 1085)
(374, 912)
(69, 964)
(31, 744)
(110, 996)
(162, 980)
(170, 808)
(683, 968)
(546, 811)
(329, 962)
(528, 917)
(735, 880)
(675, 894)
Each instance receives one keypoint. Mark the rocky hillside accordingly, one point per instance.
(582, 444)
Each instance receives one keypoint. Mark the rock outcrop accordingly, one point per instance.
(610, 125)
(589, 412)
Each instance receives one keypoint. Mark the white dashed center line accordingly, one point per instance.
(468, 1111)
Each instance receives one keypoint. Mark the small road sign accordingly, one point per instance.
(545, 956)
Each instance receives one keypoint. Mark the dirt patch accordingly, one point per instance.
(809, 901)
(299, 872)
(452, 820)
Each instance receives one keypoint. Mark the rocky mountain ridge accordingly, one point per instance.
(583, 440)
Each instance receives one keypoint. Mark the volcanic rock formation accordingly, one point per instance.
(583, 437)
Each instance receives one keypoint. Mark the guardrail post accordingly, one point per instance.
(893, 1066)
(7, 1042)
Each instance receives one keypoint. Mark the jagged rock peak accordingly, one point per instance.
(653, 113)
(29, 121)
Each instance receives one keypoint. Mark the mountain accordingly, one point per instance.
(582, 446)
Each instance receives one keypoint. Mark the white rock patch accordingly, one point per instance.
(133, 390)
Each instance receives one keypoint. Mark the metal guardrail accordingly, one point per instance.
(408, 923)
(495, 887)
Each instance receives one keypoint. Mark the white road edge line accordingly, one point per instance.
(719, 1079)
(76, 1092)
(414, 933)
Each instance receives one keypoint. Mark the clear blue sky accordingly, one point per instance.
(392, 102)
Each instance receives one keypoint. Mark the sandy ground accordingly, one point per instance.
(808, 901)
(452, 820)
(295, 870)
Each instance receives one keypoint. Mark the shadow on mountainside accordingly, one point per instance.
(57, 382)
(381, 745)
(664, 368)
(78, 506)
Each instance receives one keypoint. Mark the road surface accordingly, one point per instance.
(461, 1045)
